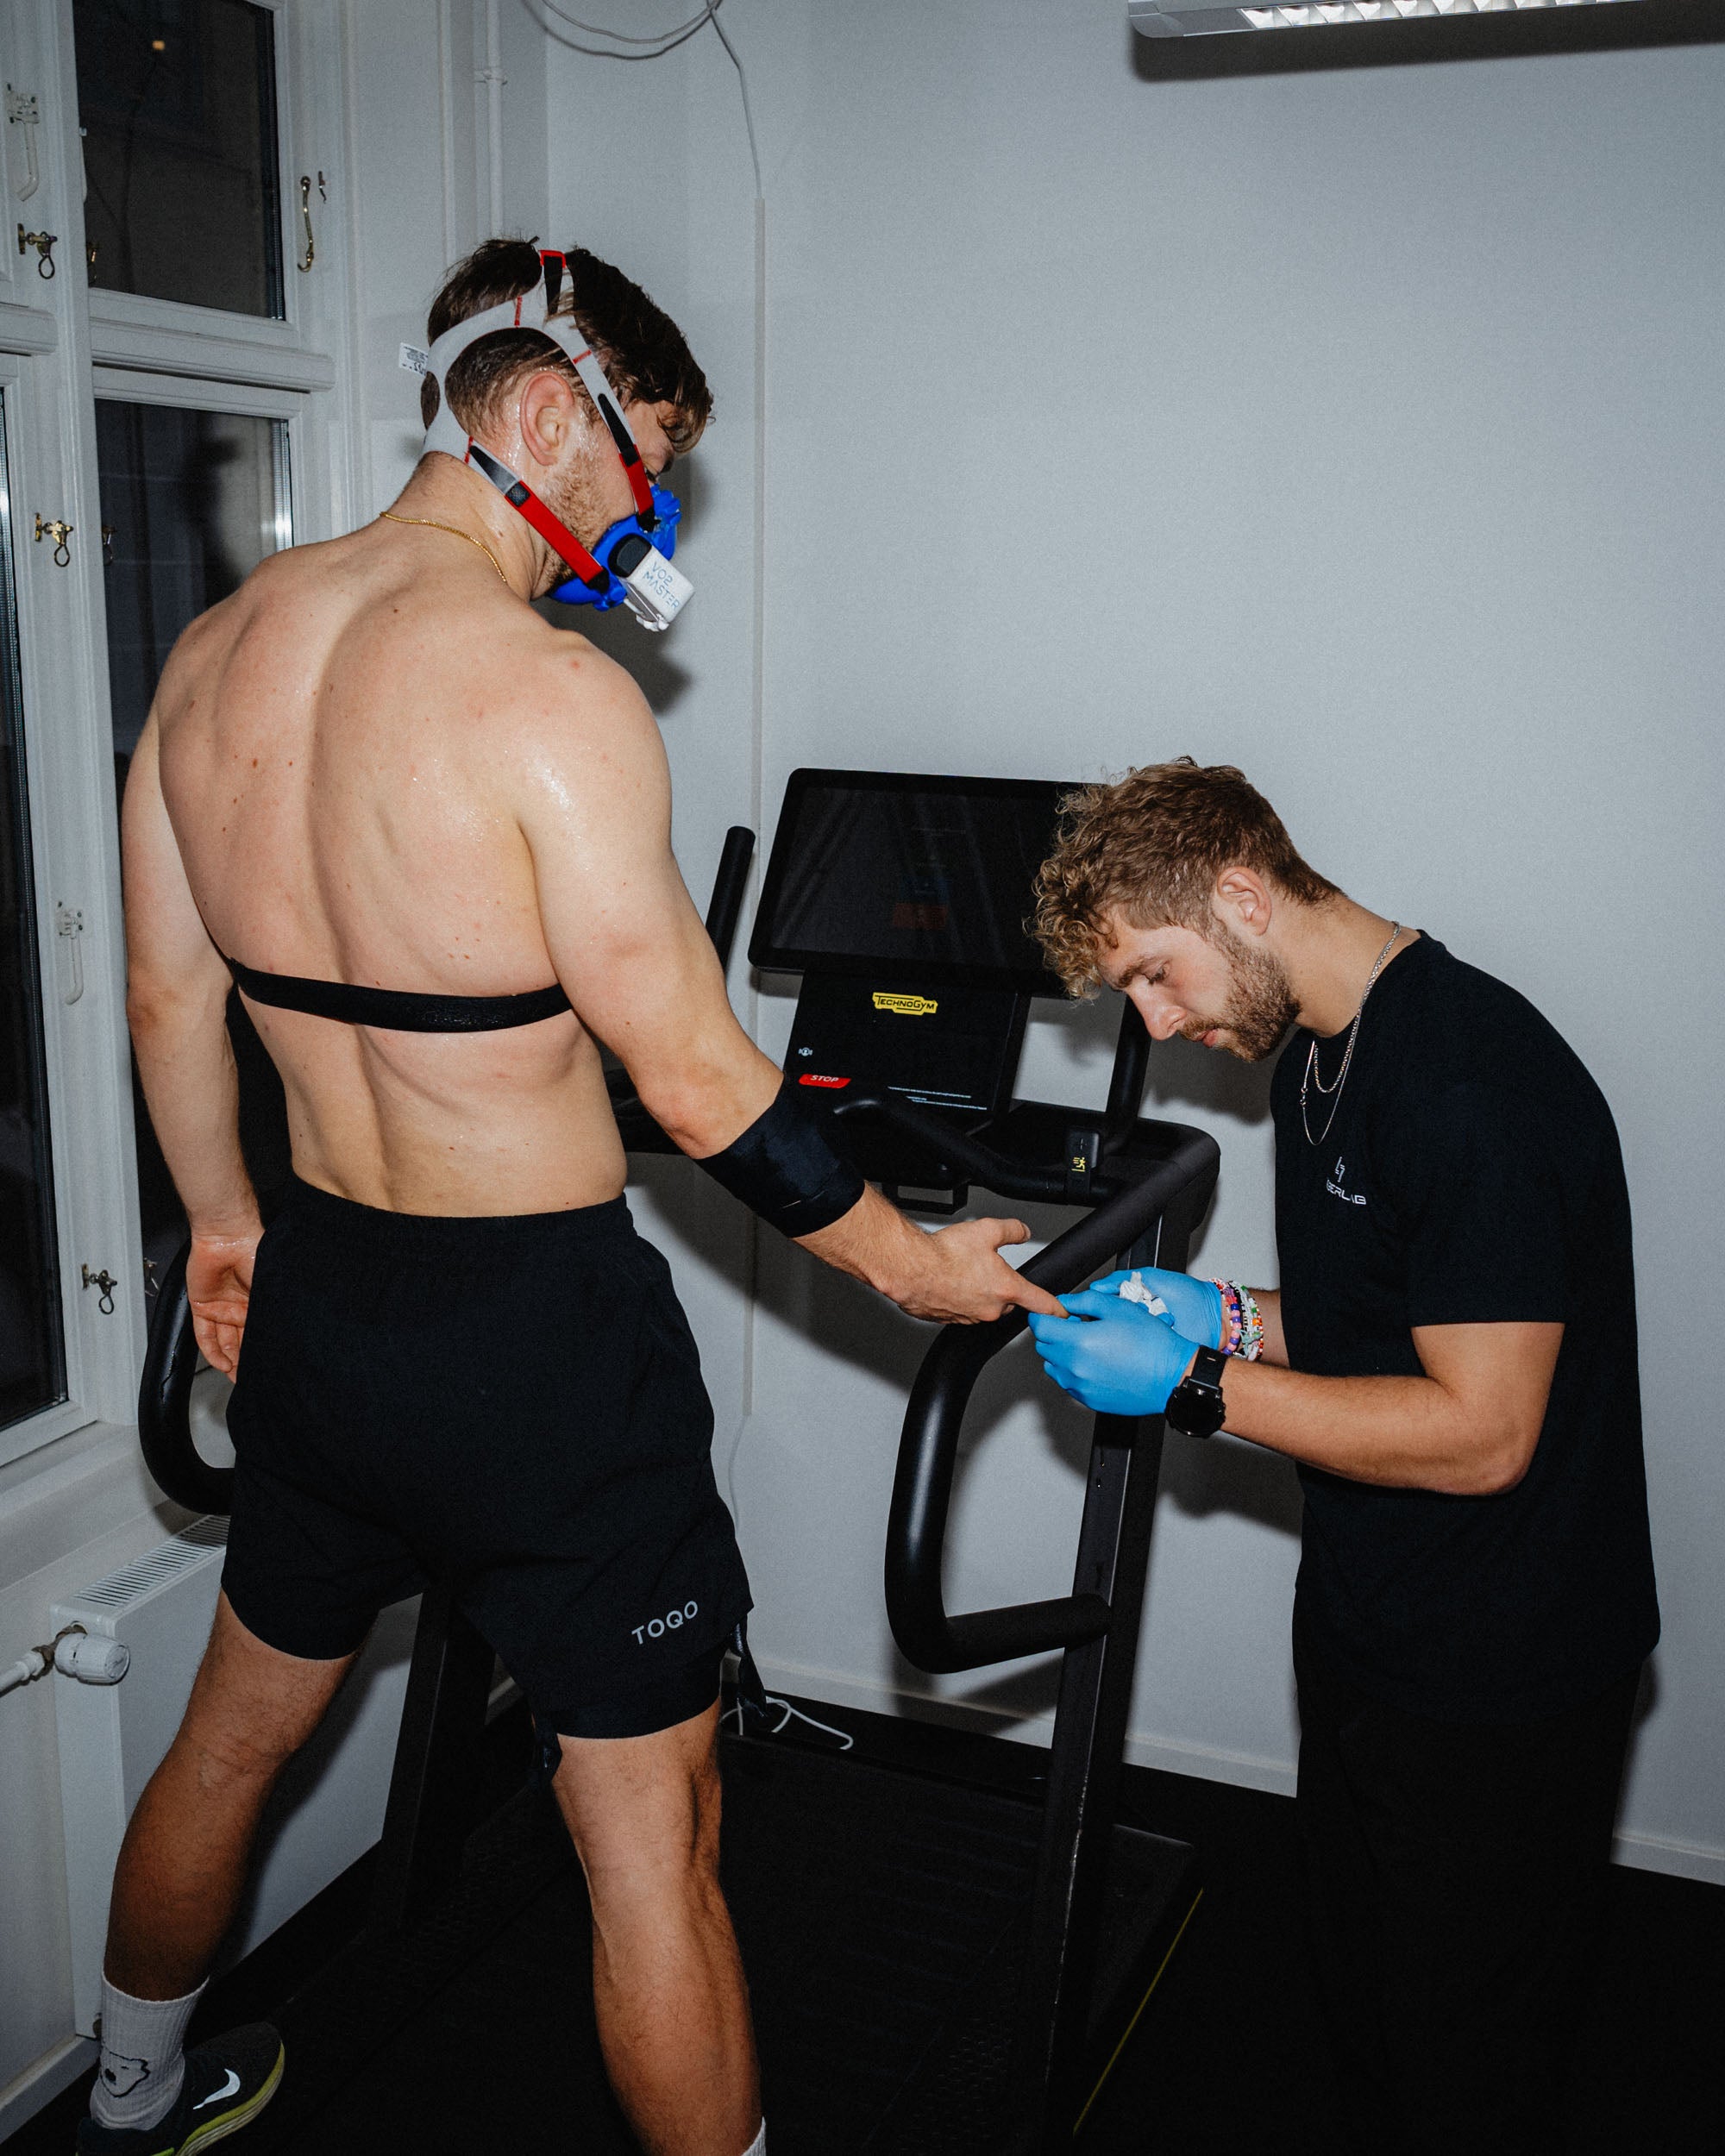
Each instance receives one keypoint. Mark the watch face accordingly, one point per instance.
(1196, 1409)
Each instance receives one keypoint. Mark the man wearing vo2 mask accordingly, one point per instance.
(1451, 1359)
(428, 837)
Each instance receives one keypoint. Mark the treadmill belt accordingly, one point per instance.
(866, 1902)
(881, 1916)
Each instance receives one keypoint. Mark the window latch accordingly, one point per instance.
(106, 1281)
(58, 529)
(44, 243)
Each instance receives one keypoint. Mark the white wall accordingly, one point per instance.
(1390, 469)
(1361, 428)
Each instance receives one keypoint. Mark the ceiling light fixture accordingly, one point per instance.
(1204, 18)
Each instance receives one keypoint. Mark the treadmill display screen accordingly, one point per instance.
(908, 877)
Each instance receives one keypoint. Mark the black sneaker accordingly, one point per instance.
(227, 2081)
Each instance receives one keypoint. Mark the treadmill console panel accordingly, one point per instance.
(941, 1047)
(893, 876)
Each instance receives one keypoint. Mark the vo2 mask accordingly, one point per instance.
(630, 564)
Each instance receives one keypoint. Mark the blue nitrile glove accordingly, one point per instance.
(1124, 1362)
(1194, 1306)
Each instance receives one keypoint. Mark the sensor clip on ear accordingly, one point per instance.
(630, 563)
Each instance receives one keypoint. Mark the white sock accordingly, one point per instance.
(758, 2145)
(143, 2059)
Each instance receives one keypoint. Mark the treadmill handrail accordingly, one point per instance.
(981, 1163)
(165, 1402)
(928, 1635)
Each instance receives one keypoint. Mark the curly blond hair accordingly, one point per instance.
(1149, 847)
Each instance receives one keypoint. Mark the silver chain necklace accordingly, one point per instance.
(1314, 1076)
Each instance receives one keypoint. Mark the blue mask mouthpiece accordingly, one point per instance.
(621, 550)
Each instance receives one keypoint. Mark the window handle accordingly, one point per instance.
(69, 926)
(22, 110)
(305, 213)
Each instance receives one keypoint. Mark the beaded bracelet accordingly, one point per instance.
(1244, 1333)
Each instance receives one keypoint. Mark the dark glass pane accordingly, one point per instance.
(32, 1367)
(176, 102)
(191, 501)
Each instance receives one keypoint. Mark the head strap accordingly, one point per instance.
(532, 310)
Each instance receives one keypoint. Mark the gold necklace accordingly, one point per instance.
(388, 516)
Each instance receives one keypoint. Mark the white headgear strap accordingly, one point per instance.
(446, 432)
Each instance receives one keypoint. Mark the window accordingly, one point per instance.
(167, 382)
(192, 501)
(176, 102)
(32, 1367)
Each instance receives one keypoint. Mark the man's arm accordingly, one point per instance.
(1468, 1428)
(177, 1003)
(594, 803)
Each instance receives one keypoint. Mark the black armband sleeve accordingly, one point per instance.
(784, 1167)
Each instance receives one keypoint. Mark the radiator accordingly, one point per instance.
(329, 1809)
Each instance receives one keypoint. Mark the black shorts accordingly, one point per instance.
(514, 1404)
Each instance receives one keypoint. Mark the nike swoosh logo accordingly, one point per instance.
(231, 2088)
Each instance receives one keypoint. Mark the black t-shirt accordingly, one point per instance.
(1472, 1175)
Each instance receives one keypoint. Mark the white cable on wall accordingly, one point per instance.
(661, 40)
(650, 44)
(653, 45)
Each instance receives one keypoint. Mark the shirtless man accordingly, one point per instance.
(375, 766)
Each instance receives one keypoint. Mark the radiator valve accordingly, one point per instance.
(92, 1661)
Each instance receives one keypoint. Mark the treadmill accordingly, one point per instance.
(936, 1964)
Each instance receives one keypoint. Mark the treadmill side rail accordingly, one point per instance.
(1153, 1221)
(1179, 1178)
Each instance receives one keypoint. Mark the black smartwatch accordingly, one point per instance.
(1195, 1405)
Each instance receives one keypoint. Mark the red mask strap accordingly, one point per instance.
(557, 535)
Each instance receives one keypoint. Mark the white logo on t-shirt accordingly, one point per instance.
(1348, 1197)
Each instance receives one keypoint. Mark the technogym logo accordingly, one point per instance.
(905, 1006)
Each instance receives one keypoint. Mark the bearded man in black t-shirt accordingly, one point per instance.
(1450, 1360)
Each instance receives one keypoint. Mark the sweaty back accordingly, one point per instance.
(339, 762)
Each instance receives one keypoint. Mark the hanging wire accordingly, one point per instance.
(742, 87)
(624, 37)
(653, 45)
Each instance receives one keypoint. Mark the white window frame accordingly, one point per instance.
(61, 346)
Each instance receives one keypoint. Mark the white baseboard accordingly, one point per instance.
(1209, 1763)
(1680, 1860)
(25, 2094)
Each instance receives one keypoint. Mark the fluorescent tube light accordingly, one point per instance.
(1204, 18)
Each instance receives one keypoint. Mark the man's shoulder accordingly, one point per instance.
(570, 734)
(1473, 1045)
(564, 697)
(1473, 1027)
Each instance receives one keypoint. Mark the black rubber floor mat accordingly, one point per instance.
(865, 1904)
